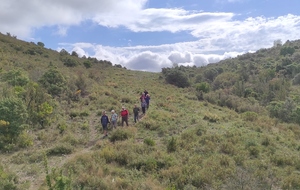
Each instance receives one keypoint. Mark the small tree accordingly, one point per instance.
(12, 115)
(38, 104)
(87, 64)
(74, 53)
(178, 78)
(41, 44)
(203, 86)
(211, 74)
(15, 78)
(287, 51)
(70, 62)
(54, 82)
(63, 52)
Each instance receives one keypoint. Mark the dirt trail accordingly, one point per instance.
(58, 162)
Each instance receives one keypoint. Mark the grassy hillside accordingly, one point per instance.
(219, 132)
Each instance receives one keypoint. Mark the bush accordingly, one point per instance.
(227, 148)
(25, 140)
(292, 182)
(53, 81)
(63, 52)
(41, 44)
(15, 78)
(70, 62)
(87, 64)
(149, 124)
(120, 135)
(13, 115)
(225, 80)
(84, 114)
(149, 142)
(211, 117)
(73, 114)
(211, 74)
(150, 165)
(7, 180)
(60, 150)
(177, 77)
(172, 145)
(249, 116)
(203, 86)
(287, 51)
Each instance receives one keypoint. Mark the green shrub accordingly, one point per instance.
(211, 117)
(149, 142)
(254, 151)
(25, 140)
(13, 115)
(54, 82)
(60, 149)
(15, 78)
(286, 50)
(41, 44)
(87, 64)
(227, 148)
(73, 114)
(149, 124)
(283, 159)
(211, 74)
(172, 145)
(176, 77)
(120, 135)
(266, 141)
(7, 180)
(70, 62)
(203, 86)
(292, 182)
(126, 99)
(249, 116)
(62, 127)
(150, 165)
(84, 114)
(200, 131)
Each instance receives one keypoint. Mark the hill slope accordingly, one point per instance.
(51, 137)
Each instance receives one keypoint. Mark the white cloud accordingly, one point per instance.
(22, 17)
(219, 34)
(147, 61)
(172, 20)
(178, 57)
(149, 58)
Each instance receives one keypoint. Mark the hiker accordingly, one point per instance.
(145, 92)
(104, 122)
(144, 105)
(142, 97)
(147, 99)
(114, 119)
(124, 115)
(136, 111)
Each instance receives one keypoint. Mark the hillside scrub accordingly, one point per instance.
(229, 125)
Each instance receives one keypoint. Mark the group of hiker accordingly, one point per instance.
(124, 113)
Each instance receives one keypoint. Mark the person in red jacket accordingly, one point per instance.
(142, 97)
(124, 115)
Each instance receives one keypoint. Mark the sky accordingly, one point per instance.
(148, 35)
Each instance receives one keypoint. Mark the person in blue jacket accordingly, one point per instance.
(147, 99)
(104, 122)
